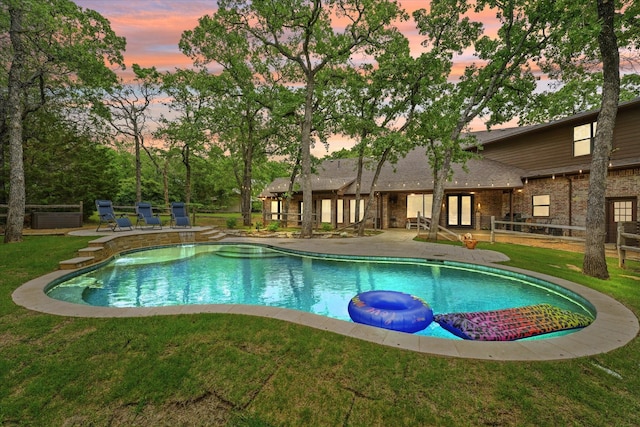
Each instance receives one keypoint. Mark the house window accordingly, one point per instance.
(326, 211)
(583, 136)
(623, 211)
(275, 209)
(419, 203)
(301, 211)
(340, 211)
(352, 210)
(541, 205)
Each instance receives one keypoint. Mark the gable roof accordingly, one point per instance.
(487, 137)
(412, 173)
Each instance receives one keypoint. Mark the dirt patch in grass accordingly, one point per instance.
(205, 410)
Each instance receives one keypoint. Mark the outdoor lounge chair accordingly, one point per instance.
(108, 216)
(179, 215)
(146, 216)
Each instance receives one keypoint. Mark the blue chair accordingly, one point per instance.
(107, 216)
(179, 215)
(147, 217)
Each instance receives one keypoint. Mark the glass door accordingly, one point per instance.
(459, 210)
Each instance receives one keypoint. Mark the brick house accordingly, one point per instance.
(536, 173)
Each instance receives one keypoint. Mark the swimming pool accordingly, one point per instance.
(322, 284)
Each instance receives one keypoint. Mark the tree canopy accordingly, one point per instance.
(54, 51)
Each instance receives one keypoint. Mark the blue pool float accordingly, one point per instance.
(391, 310)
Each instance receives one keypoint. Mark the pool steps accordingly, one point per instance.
(214, 235)
(106, 246)
(78, 262)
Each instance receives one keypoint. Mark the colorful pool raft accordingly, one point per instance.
(511, 323)
(390, 310)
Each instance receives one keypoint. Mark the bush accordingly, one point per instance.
(326, 226)
(273, 226)
(232, 222)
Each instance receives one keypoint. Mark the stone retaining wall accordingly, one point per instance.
(107, 246)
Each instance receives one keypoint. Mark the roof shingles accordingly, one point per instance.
(411, 174)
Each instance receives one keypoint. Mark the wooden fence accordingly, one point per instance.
(628, 240)
(530, 229)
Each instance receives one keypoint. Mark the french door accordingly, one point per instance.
(459, 210)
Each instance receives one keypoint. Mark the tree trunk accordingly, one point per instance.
(138, 168)
(372, 191)
(15, 214)
(245, 192)
(358, 192)
(286, 200)
(187, 182)
(595, 263)
(307, 191)
(441, 175)
(165, 181)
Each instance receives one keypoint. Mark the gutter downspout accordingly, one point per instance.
(570, 203)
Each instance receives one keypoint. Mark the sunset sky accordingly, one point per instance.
(153, 29)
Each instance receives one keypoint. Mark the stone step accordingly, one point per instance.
(215, 236)
(73, 263)
(91, 250)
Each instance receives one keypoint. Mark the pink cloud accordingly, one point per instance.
(152, 28)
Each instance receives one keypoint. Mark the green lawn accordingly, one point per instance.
(214, 369)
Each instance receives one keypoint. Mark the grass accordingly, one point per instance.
(214, 369)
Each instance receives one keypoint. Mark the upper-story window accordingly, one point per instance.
(583, 136)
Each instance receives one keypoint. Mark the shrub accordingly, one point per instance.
(232, 222)
(326, 226)
(273, 226)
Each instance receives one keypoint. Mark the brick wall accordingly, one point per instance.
(569, 195)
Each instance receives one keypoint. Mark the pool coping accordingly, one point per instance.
(615, 325)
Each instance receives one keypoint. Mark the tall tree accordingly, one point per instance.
(242, 114)
(191, 98)
(55, 49)
(493, 86)
(378, 105)
(585, 61)
(595, 261)
(126, 107)
(15, 215)
(298, 40)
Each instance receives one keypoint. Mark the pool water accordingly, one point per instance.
(320, 284)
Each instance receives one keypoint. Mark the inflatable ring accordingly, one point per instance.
(391, 310)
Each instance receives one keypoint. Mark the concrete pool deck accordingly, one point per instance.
(614, 326)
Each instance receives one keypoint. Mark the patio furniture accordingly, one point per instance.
(107, 216)
(179, 215)
(147, 217)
